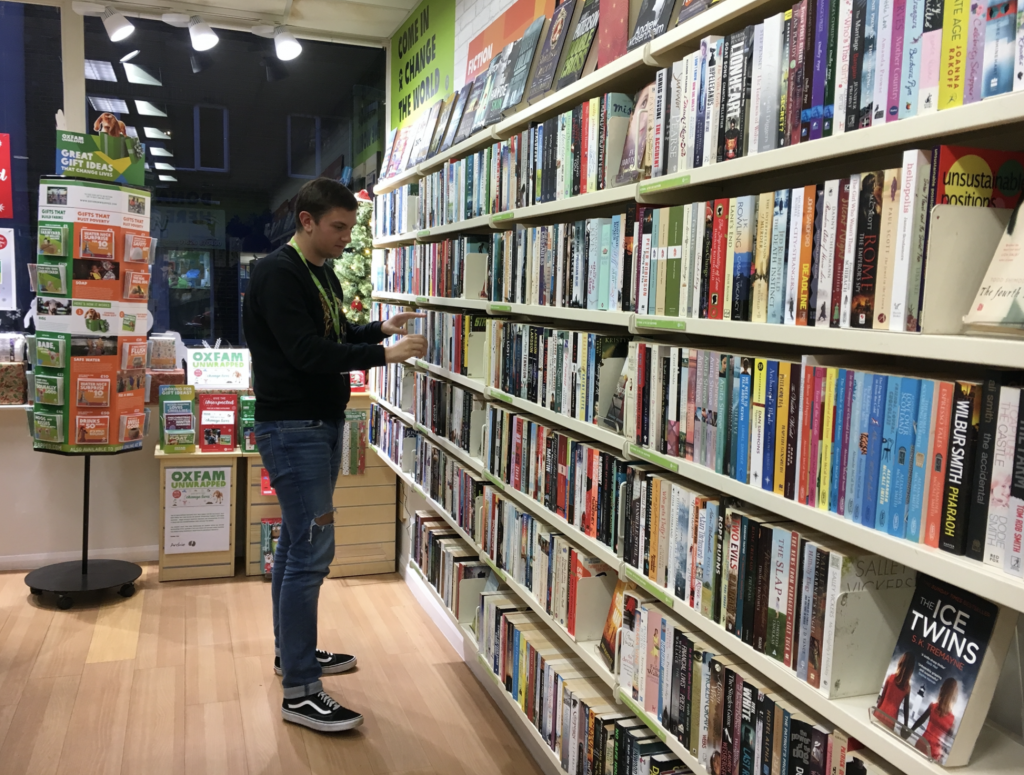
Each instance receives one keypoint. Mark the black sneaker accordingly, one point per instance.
(320, 712)
(331, 664)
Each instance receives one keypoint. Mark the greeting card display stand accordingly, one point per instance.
(66, 578)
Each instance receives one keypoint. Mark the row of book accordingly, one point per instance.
(444, 558)
(824, 68)
(396, 212)
(513, 74)
(456, 268)
(449, 411)
(575, 480)
(572, 709)
(546, 563)
(783, 589)
(392, 438)
(448, 484)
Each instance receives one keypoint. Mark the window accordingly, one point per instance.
(314, 144)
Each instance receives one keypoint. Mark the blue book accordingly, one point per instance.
(1000, 45)
(861, 396)
(770, 410)
(815, 115)
(736, 378)
(910, 390)
(868, 475)
(837, 441)
(515, 663)
(737, 629)
(743, 441)
(919, 461)
(806, 593)
(887, 460)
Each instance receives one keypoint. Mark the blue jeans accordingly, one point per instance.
(303, 458)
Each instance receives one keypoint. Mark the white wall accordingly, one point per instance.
(41, 502)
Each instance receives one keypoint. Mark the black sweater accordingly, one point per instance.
(299, 367)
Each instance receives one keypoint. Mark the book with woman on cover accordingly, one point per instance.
(943, 672)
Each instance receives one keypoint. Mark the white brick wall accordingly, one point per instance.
(471, 18)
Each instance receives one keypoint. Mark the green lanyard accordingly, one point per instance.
(332, 303)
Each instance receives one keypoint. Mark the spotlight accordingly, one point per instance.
(200, 62)
(118, 28)
(203, 36)
(130, 56)
(286, 44)
(275, 70)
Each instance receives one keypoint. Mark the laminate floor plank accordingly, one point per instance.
(155, 742)
(179, 680)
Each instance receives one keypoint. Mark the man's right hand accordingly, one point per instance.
(409, 346)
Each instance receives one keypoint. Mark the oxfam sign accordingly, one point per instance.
(198, 477)
(228, 369)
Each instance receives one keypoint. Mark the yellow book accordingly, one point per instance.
(762, 257)
(757, 416)
(652, 548)
(782, 427)
(953, 70)
(825, 445)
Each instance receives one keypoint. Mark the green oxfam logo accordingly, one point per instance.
(217, 358)
(198, 477)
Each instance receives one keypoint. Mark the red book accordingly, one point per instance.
(806, 411)
(517, 446)
(563, 443)
(570, 614)
(218, 419)
(940, 450)
(691, 397)
(842, 213)
(638, 244)
(613, 31)
(595, 463)
(716, 276)
(976, 177)
(814, 460)
(794, 564)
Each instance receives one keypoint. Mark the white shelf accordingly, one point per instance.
(470, 224)
(476, 385)
(393, 298)
(587, 651)
(681, 40)
(970, 575)
(434, 301)
(568, 314)
(663, 734)
(387, 185)
(1008, 353)
(485, 136)
(609, 196)
(599, 81)
(405, 417)
(1005, 109)
(592, 432)
(395, 240)
(405, 477)
(591, 545)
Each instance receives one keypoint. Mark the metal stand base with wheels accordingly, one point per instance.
(67, 578)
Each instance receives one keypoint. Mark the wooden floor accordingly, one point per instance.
(179, 679)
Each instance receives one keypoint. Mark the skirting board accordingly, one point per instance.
(438, 615)
(33, 561)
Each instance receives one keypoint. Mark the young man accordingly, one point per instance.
(302, 350)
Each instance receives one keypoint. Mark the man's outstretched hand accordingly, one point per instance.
(410, 346)
(396, 324)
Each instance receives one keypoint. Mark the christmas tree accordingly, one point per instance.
(353, 266)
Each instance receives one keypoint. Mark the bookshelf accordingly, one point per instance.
(987, 123)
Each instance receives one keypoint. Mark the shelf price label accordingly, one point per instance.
(495, 393)
(423, 300)
(422, 233)
(673, 325)
(505, 216)
(664, 183)
(494, 480)
(501, 307)
(642, 715)
(646, 584)
(654, 457)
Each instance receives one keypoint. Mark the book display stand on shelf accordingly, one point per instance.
(67, 578)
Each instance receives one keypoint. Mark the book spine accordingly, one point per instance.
(883, 50)
(976, 14)
(1014, 551)
(757, 87)
(803, 309)
(831, 70)
(819, 69)
(782, 422)
(794, 244)
(757, 422)
(857, 29)
(844, 47)
(921, 460)
(850, 253)
(963, 437)
(791, 597)
(955, 36)
(770, 412)
(981, 485)
(716, 278)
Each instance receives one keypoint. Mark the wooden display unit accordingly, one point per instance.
(364, 522)
(199, 565)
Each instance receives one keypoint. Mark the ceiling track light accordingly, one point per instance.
(203, 36)
(285, 44)
(118, 28)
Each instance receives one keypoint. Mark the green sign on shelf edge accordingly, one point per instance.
(662, 184)
(501, 308)
(675, 325)
(648, 585)
(423, 233)
(495, 393)
(505, 216)
(654, 457)
(494, 480)
(641, 714)
(422, 299)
